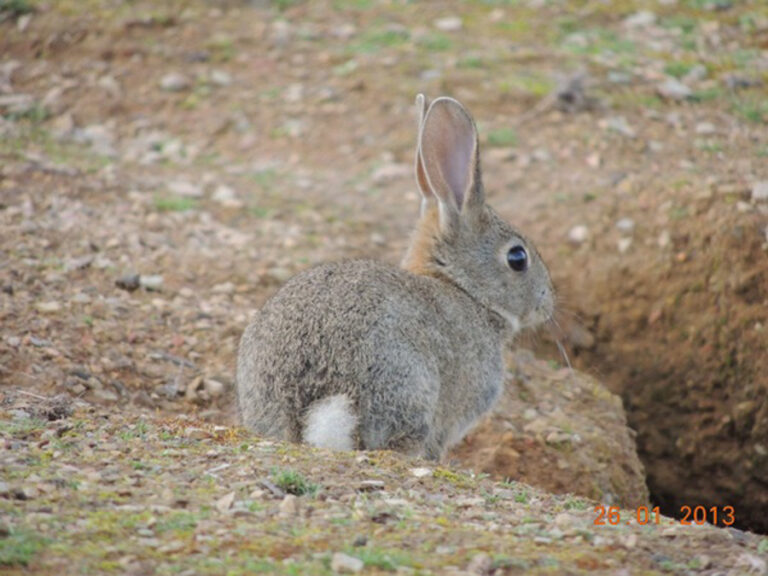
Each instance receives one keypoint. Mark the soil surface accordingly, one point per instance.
(164, 168)
(103, 492)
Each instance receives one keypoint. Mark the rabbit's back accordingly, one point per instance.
(379, 344)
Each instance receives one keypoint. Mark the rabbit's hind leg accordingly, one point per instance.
(331, 423)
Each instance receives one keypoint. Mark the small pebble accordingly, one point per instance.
(220, 78)
(174, 82)
(370, 485)
(346, 564)
(289, 506)
(578, 234)
(214, 387)
(760, 191)
(641, 19)
(129, 282)
(224, 503)
(705, 128)
(480, 564)
(626, 225)
(186, 189)
(449, 24)
(618, 124)
(153, 282)
(673, 89)
(624, 244)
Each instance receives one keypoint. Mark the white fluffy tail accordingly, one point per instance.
(331, 423)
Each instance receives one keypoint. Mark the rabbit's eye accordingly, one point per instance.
(517, 258)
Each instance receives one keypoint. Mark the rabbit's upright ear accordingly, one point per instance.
(421, 177)
(449, 153)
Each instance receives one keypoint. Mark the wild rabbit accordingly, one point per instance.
(361, 354)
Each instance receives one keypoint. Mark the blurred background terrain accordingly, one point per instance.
(165, 166)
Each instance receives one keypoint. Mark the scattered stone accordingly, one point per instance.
(78, 263)
(578, 234)
(421, 472)
(696, 74)
(370, 485)
(196, 433)
(174, 82)
(624, 244)
(105, 395)
(144, 400)
(344, 564)
(641, 19)
(449, 24)
(705, 128)
(616, 77)
(480, 564)
(618, 124)
(631, 541)
(294, 93)
(289, 506)
(760, 191)
(220, 78)
(129, 282)
(17, 104)
(594, 160)
(571, 93)
(734, 82)
(378, 239)
(214, 387)
(626, 226)
(390, 172)
(186, 189)
(99, 137)
(564, 520)
(151, 283)
(223, 288)
(226, 196)
(541, 155)
(48, 307)
(224, 503)
(110, 85)
(673, 89)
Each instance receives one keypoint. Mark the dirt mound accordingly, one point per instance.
(562, 431)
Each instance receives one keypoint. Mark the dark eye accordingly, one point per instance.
(517, 258)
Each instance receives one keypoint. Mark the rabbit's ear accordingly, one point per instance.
(421, 177)
(450, 156)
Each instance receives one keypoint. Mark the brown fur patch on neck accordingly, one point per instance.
(420, 257)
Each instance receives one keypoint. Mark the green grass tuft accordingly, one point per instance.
(294, 482)
(502, 137)
(20, 547)
(174, 203)
(15, 8)
(375, 40)
(388, 560)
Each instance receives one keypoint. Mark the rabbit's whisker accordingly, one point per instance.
(559, 343)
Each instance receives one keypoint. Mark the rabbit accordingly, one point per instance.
(364, 355)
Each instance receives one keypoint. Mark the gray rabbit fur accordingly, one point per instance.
(364, 355)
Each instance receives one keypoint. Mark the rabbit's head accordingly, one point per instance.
(462, 239)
